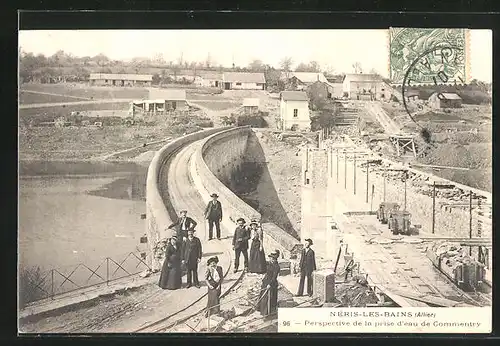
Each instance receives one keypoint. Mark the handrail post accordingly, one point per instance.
(107, 270)
(354, 173)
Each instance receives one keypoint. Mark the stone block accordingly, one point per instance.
(324, 285)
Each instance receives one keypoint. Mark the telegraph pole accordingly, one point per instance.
(470, 221)
(433, 206)
(345, 170)
(385, 182)
(405, 177)
(337, 166)
(354, 172)
(367, 187)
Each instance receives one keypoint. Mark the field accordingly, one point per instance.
(77, 142)
(84, 91)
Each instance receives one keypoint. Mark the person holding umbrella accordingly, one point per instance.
(213, 213)
(268, 298)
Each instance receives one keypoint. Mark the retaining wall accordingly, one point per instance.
(217, 155)
(158, 206)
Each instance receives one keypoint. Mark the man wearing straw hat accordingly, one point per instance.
(307, 266)
(183, 224)
(240, 243)
(213, 213)
(191, 256)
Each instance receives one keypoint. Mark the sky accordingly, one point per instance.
(332, 49)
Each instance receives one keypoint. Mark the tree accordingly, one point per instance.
(286, 64)
(208, 61)
(357, 67)
(156, 79)
(302, 67)
(314, 66)
(101, 59)
(256, 66)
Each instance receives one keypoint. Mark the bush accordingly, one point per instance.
(32, 285)
(252, 120)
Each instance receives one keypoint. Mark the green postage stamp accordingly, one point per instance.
(438, 50)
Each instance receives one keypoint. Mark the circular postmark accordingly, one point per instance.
(440, 69)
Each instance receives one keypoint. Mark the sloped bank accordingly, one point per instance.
(218, 155)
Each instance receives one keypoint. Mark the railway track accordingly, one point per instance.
(404, 266)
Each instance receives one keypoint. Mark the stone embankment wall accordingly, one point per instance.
(453, 222)
(217, 156)
(158, 207)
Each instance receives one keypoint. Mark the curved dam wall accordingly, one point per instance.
(159, 210)
(217, 157)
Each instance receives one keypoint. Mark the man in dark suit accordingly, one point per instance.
(183, 224)
(213, 213)
(240, 243)
(307, 266)
(191, 256)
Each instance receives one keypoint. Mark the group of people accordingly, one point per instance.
(184, 248)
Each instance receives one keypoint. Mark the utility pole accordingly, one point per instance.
(433, 206)
(337, 166)
(405, 177)
(367, 185)
(345, 170)
(354, 172)
(385, 182)
(470, 221)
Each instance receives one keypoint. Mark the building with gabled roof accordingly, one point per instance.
(294, 111)
(445, 100)
(160, 101)
(362, 85)
(243, 81)
(120, 79)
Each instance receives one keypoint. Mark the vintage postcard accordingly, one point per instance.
(207, 185)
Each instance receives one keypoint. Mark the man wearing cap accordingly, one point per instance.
(183, 224)
(213, 213)
(191, 256)
(240, 243)
(307, 265)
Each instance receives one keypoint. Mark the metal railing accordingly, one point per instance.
(254, 300)
(57, 281)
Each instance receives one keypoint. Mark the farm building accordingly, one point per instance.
(251, 105)
(324, 90)
(301, 80)
(209, 79)
(120, 79)
(294, 111)
(243, 80)
(363, 86)
(445, 100)
(160, 101)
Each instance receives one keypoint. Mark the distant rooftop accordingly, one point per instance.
(121, 76)
(244, 77)
(251, 102)
(450, 96)
(294, 96)
(363, 77)
(167, 94)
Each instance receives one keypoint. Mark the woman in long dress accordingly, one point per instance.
(268, 303)
(213, 278)
(257, 261)
(171, 274)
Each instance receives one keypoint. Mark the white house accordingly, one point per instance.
(251, 105)
(209, 79)
(360, 85)
(160, 101)
(243, 81)
(294, 111)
